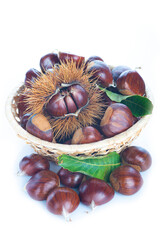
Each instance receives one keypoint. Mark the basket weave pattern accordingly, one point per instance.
(53, 150)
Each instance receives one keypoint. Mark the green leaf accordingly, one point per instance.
(139, 106)
(114, 96)
(98, 167)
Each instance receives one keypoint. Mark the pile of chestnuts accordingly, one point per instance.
(63, 102)
(64, 190)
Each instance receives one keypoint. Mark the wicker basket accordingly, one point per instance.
(52, 150)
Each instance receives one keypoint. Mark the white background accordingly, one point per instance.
(121, 32)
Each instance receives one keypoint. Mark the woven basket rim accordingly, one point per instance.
(69, 149)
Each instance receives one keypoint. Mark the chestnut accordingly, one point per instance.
(48, 61)
(137, 157)
(117, 118)
(86, 135)
(30, 77)
(94, 192)
(91, 59)
(126, 180)
(116, 71)
(41, 184)
(130, 83)
(24, 120)
(70, 179)
(101, 72)
(64, 57)
(69, 100)
(22, 105)
(62, 201)
(39, 126)
(32, 164)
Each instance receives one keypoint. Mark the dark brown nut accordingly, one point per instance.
(22, 105)
(126, 180)
(32, 164)
(24, 120)
(95, 192)
(30, 77)
(101, 72)
(62, 201)
(64, 57)
(116, 119)
(70, 179)
(41, 184)
(137, 157)
(48, 61)
(116, 71)
(39, 126)
(91, 59)
(130, 83)
(86, 135)
(68, 100)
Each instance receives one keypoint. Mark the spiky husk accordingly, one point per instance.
(45, 87)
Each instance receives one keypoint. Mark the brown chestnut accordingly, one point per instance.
(67, 101)
(39, 126)
(95, 192)
(130, 83)
(137, 157)
(30, 77)
(126, 180)
(24, 120)
(91, 59)
(70, 179)
(22, 105)
(86, 135)
(116, 71)
(32, 164)
(41, 184)
(62, 201)
(48, 61)
(101, 72)
(117, 118)
(64, 57)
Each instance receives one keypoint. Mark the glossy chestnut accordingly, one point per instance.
(101, 72)
(30, 77)
(126, 180)
(48, 61)
(64, 57)
(116, 71)
(130, 83)
(32, 164)
(137, 157)
(69, 100)
(41, 184)
(94, 192)
(86, 135)
(117, 118)
(62, 201)
(22, 105)
(70, 179)
(24, 120)
(91, 59)
(39, 126)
